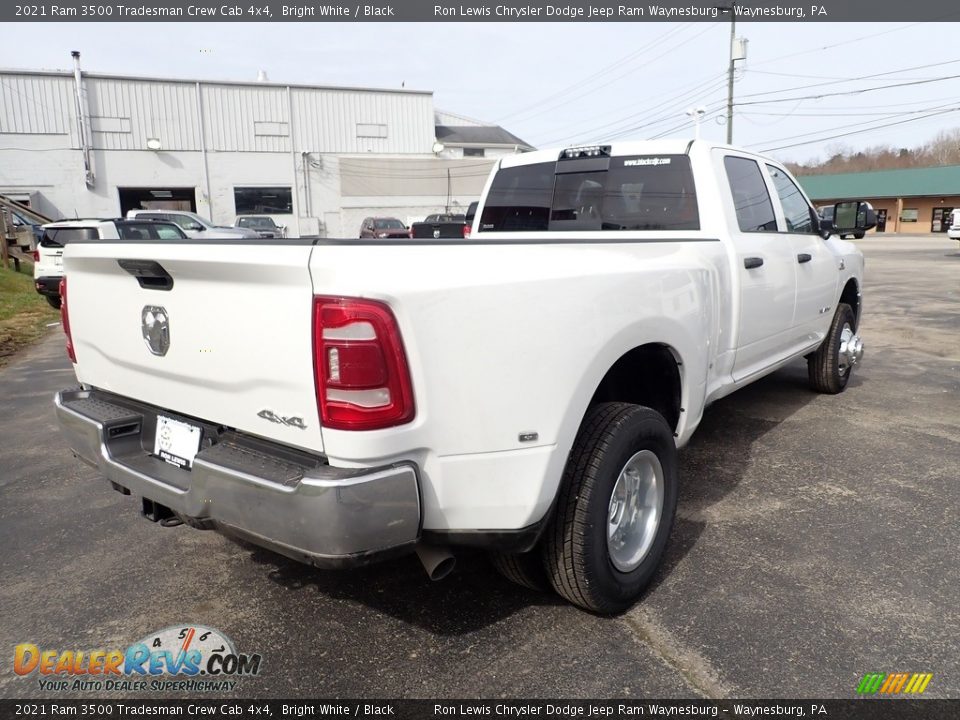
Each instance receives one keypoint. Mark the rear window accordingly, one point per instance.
(630, 193)
(149, 231)
(58, 237)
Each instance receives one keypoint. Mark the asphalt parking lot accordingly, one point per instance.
(817, 539)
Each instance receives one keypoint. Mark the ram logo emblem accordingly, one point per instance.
(155, 326)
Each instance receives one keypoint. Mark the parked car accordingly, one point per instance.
(826, 213)
(440, 225)
(193, 225)
(953, 232)
(527, 398)
(26, 231)
(48, 257)
(445, 217)
(263, 225)
(383, 227)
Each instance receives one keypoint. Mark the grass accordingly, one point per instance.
(24, 313)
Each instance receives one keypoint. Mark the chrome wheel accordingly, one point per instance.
(636, 505)
(850, 350)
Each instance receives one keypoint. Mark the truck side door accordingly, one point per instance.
(766, 265)
(816, 266)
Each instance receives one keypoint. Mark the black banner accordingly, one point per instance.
(481, 11)
(250, 709)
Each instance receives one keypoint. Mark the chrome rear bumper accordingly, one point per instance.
(271, 495)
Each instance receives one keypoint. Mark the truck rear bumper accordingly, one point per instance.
(48, 284)
(272, 496)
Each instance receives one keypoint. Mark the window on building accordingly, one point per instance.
(263, 200)
(371, 130)
(750, 197)
(473, 152)
(910, 215)
(796, 211)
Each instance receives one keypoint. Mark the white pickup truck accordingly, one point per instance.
(524, 390)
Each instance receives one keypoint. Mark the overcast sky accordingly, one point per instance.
(561, 84)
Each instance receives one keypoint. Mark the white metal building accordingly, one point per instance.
(317, 159)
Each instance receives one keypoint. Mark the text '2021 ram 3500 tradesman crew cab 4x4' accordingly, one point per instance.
(524, 390)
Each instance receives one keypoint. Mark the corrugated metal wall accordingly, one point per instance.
(125, 112)
(36, 105)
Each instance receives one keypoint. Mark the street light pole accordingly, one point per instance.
(730, 69)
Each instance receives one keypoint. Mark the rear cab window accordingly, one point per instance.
(599, 193)
(58, 237)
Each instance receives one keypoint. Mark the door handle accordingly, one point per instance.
(752, 262)
(804, 257)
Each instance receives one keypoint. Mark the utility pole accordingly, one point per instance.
(730, 69)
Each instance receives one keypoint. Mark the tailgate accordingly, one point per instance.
(238, 320)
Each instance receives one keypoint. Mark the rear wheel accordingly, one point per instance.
(54, 301)
(616, 506)
(830, 366)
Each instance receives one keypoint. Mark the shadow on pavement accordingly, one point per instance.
(471, 598)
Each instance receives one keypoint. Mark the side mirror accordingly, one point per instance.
(195, 226)
(854, 216)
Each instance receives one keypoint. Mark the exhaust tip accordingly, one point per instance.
(437, 561)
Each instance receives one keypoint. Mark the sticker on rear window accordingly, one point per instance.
(646, 161)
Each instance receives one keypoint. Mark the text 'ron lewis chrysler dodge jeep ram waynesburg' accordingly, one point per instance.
(524, 390)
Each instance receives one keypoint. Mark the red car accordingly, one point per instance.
(383, 227)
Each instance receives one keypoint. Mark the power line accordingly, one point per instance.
(865, 130)
(612, 66)
(644, 119)
(849, 92)
(856, 79)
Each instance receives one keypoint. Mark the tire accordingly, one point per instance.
(54, 301)
(525, 569)
(858, 236)
(583, 565)
(827, 373)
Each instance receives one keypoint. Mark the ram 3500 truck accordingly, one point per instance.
(524, 390)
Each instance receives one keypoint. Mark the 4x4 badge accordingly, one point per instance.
(155, 325)
(293, 421)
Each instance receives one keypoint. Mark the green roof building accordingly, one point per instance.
(914, 200)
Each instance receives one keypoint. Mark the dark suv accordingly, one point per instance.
(383, 227)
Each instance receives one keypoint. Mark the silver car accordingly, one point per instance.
(193, 225)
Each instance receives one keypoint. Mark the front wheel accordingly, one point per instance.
(830, 366)
(616, 506)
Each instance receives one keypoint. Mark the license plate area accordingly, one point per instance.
(177, 442)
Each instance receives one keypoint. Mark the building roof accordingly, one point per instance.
(478, 135)
(208, 81)
(912, 182)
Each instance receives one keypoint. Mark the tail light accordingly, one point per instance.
(466, 231)
(36, 256)
(362, 377)
(65, 320)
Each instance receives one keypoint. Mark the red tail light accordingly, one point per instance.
(65, 320)
(466, 231)
(36, 256)
(362, 377)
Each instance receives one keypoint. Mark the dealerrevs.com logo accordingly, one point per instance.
(189, 658)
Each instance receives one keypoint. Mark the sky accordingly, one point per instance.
(561, 84)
